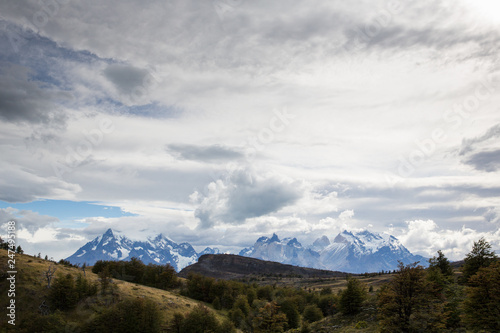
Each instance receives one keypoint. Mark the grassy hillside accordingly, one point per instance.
(31, 291)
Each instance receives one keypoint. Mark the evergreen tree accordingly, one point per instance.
(134, 315)
(289, 308)
(482, 305)
(19, 249)
(406, 303)
(352, 297)
(442, 263)
(63, 294)
(3, 245)
(480, 256)
(105, 279)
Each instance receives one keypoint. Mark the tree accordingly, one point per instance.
(326, 291)
(133, 315)
(49, 274)
(19, 249)
(201, 320)
(312, 313)
(3, 245)
(406, 303)
(265, 293)
(442, 263)
(104, 279)
(480, 256)
(482, 305)
(63, 294)
(269, 319)
(328, 304)
(84, 287)
(352, 297)
(289, 308)
(176, 324)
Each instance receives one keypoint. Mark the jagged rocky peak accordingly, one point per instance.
(341, 238)
(294, 242)
(209, 250)
(108, 233)
(320, 243)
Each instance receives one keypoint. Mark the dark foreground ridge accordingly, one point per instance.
(230, 266)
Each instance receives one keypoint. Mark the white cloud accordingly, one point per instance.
(346, 215)
(243, 194)
(426, 238)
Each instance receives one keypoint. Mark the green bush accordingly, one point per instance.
(312, 313)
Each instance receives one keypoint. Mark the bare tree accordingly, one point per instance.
(49, 274)
(44, 309)
(84, 265)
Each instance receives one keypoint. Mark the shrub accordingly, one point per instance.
(312, 313)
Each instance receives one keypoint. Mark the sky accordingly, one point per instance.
(217, 122)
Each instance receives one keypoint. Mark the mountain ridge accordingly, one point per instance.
(155, 250)
(351, 252)
(231, 266)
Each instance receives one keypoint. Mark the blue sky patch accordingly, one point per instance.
(68, 210)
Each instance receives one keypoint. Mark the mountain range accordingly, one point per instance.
(352, 252)
(157, 250)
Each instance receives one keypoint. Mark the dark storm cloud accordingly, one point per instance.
(213, 153)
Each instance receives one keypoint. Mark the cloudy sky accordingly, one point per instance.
(216, 122)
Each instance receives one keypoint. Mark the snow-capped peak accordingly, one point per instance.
(156, 250)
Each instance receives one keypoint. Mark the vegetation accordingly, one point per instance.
(407, 303)
(157, 276)
(59, 297)
(480, 256)
(133, 315)
(201, 320)
(65, 292)
(352, 297)
(482, 305)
